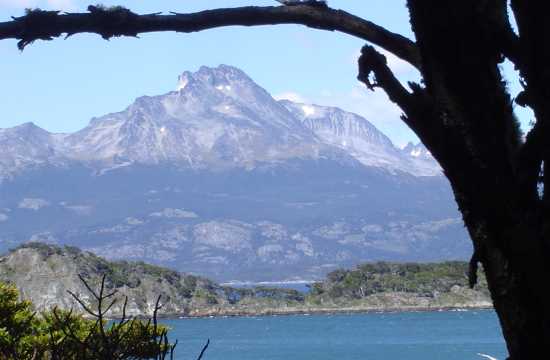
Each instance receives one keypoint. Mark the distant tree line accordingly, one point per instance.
(373, 278)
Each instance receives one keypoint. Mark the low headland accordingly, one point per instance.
(44, 273)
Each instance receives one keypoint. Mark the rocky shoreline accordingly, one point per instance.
(320, 311)
(45, 273)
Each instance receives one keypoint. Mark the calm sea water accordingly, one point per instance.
(447, 335)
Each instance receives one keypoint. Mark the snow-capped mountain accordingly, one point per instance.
(220, 179)
(27, 146)
(217, 118)
(357, 137)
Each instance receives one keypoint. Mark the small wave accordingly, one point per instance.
(487, 356)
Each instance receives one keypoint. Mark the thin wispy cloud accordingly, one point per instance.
(292, 96)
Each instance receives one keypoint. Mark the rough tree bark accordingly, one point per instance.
(462, 112)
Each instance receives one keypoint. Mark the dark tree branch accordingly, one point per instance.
(472, 269)
(118, 21)
(374, 72)
(96, 296)
(501, 29)
(511, 44)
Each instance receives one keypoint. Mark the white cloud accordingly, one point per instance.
(3, 217)
(292, 96)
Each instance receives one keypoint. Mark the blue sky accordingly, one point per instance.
(60, 85)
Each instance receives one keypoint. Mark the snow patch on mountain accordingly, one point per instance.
(421, 158)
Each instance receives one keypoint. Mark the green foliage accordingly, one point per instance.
(101, 7)
(278, 294)
(17, 324)
(203, 296)
(372, 278)
(119, 273)
(59, 334)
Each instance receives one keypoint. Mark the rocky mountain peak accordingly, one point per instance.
(218, 118)
(225, 86)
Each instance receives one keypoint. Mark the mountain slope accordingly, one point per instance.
(44, 274)
(27, 146)
(217, 118)
(357, 137)
(220, 178)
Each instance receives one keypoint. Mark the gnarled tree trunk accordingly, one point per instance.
(469, 126)
(462, 113)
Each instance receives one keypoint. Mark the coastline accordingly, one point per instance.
(221, 313)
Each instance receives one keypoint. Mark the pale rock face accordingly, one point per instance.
(304, 245)
(268, 251)
(272, 231)
(218, 117)
(225, 236)
(360, 139)
(333, 231)
(26, 146)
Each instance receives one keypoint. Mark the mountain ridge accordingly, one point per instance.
(218, 118)
(221, 178)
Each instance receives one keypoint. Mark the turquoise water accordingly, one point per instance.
(442, 335)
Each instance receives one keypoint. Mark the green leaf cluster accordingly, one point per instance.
(60, 334)
(372, 278)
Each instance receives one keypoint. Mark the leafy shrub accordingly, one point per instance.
(61, 334)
